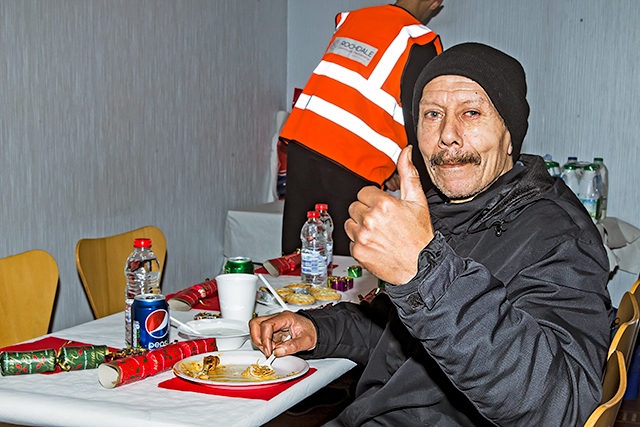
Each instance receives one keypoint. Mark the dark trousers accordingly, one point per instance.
(311, 179)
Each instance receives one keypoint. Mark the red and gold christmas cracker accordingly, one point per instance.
(130, 369)
(188, 298)
(283, 265)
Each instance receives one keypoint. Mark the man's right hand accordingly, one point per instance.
(270, 333)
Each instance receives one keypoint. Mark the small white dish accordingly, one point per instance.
(229, 334)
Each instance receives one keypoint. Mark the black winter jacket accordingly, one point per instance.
(506, 323)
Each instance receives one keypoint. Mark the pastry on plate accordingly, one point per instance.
(325, 294)
(300, 299)
(298, 286)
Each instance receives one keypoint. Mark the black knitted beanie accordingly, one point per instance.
(501, 76)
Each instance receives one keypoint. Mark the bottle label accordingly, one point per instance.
(592, 206)
(312, 262)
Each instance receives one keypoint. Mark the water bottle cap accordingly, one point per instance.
(313, 214)
(142, 243)
(597, 159)
(322, 206)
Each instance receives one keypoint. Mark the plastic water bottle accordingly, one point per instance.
(589, 194)
(570, 177)
(604, 185)
(313, 262)
(571, 160)
(142, 273)
(553, 168)
(326, 219)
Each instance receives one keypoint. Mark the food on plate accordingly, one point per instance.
(325, 294)
(262, 372)
(300, 298)
(203, 370)
(296, 286)
(210, 369)
(283, 292)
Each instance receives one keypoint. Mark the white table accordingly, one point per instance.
(77, 398)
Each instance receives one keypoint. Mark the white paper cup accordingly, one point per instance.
(237, 295)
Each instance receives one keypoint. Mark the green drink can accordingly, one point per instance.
(239, 264)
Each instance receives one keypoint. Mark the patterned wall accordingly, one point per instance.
(118, 114)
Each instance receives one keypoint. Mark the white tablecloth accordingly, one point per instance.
(77, 398)
(254, 232)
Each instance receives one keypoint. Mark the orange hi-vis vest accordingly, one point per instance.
(350, 110)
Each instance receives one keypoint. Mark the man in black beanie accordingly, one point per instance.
(496, 310)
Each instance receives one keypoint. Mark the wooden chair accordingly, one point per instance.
(28, 284)
(634, 290)
(614, 385)
(628, 318)
(101, 261)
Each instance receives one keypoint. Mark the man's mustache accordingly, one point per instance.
(449, 158)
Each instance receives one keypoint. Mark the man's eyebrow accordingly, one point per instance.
(470, 102)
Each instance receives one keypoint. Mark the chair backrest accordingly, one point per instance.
(614, 385)
(101, 262)
(634, 290)
(628, 318)
(28, 284)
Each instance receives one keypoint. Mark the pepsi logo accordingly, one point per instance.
(157, 323)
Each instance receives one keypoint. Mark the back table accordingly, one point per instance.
(77, 398)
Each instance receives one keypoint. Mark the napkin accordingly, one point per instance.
(266, 392)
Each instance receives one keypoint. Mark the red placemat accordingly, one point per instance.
(263, 393)
(46, 344)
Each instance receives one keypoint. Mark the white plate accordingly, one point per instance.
(229, 334)
(286, 367)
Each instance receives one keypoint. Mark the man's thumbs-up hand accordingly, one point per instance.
(388, 233)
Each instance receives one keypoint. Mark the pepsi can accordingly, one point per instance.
(150, 321)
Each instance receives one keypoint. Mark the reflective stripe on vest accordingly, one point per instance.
(371, 88)
(350, 122)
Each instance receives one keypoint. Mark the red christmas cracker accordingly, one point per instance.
(134, 368)
(283, 265)
(188, 298)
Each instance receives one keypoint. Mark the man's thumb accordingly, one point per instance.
(410, 187)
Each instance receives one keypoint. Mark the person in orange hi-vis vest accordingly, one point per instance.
(348, 125)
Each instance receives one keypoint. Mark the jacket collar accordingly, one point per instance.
(497, 205)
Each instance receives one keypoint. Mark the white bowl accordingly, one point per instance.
(229, 334)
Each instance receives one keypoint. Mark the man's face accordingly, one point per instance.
(464, 141)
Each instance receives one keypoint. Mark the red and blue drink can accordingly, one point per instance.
(150, 321)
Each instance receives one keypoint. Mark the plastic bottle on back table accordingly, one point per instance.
(313, 263)
(326, 219)
(142, 273)
(604, 185)
(570, 160)
(589, 193)
(570, 177)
